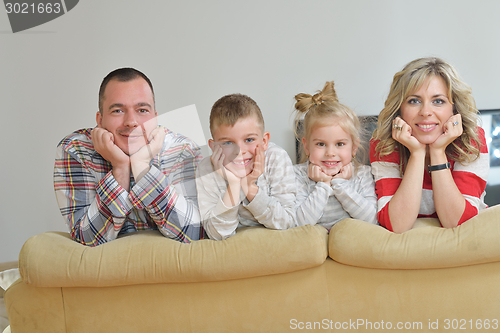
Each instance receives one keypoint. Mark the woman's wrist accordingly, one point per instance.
(437, 156)
(418, 155)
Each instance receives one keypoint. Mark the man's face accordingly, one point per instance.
(128, 112)
(238, 144)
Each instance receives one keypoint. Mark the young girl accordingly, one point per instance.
(332, 184)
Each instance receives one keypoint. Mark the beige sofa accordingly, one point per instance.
(360, 276)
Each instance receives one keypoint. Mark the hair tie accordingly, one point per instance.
(317, 99)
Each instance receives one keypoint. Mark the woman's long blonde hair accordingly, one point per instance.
(324, 104)
(465, 148)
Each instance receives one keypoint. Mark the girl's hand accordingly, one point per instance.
(402, 133)
(345, 172)
(452, 129)
(316, 174)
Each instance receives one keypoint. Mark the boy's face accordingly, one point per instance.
(238, 144)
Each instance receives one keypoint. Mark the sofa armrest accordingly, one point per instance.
(53, 259)
(357, 243)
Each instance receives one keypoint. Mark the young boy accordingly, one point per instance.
(248, 180)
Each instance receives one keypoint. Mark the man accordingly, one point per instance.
(127, 174)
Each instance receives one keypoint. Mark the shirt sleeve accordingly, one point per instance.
(168, 194)
(273, 206)
(470, 179)
(219, 221)
(357, 195)
(309, 205)
(94, 210)
(387, 180)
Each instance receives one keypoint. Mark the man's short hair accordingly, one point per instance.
(123, 75)
(231, 108)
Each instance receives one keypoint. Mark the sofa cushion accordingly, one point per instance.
(428, 245)
(52, 259)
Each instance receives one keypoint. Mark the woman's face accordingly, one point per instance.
(427, 109)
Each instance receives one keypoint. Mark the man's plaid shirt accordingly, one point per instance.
(97, 209)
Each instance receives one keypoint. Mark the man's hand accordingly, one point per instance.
(140, 160)
(104, 144)
(452, 129)
(402, 133)
(345, 172)
(152, 147)
(249, 183)
(316, 174)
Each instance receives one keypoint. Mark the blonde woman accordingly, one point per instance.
(429, 156)
(331, 184)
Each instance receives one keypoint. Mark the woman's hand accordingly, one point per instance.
(452, 129)
(402, 133)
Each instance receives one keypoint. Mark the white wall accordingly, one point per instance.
(197, 51)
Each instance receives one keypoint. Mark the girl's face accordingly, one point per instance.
(427, 110)
(329, 146)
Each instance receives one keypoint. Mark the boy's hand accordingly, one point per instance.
(316, 174)
(217, 159)
(249, 183)
(345, 172)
